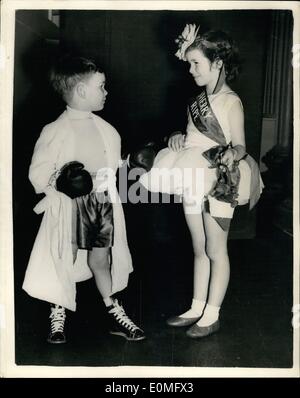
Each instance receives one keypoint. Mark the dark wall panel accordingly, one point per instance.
(148, 87)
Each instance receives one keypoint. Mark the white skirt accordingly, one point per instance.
(188, 173)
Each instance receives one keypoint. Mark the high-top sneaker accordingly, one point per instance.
(122, 325)
(57, 316)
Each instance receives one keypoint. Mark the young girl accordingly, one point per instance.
(215, 144)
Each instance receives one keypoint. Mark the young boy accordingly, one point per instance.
(79, 230)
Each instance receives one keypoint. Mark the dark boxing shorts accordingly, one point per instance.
(92, 221)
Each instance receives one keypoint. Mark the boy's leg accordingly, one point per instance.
(98, 261)
(121, 324)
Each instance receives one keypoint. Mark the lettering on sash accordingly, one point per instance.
(204, 118)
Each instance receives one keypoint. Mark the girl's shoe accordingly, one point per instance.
(179, 321)
(196, 331)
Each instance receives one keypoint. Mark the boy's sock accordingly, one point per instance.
(210, 316)
(195, 311)
(108, 301)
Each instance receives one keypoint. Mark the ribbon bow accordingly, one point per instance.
(186, 38)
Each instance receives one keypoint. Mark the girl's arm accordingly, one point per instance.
(236, 124)
(176, 141)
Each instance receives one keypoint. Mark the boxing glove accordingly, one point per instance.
(73, 180)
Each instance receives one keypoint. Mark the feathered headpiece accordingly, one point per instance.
(186, 38)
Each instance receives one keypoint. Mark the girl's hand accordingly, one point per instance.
(229, 157)
(176, 141)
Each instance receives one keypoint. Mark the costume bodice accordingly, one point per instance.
(221, 104)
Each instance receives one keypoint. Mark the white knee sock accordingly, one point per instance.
(210, 315)
(195, 311)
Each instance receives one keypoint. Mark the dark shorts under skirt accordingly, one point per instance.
(92, 221)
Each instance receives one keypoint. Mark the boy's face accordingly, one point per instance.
(95, 92)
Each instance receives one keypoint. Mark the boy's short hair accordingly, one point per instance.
(70, 70)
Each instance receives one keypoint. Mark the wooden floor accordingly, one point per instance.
(256, 328)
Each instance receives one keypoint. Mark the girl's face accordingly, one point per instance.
(202, 69)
